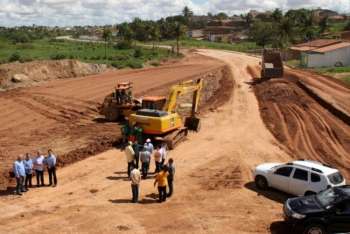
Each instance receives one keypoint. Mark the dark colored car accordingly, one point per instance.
(326, 212)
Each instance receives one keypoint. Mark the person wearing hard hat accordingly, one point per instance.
(130, 156)
(148, 146)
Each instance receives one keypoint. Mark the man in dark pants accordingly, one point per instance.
(161, 180)
(145, 157)
(171, 170)
(136, 147)
(39, 169)
(135, 177)
(28, 166)
(51, 167)
(20, 174)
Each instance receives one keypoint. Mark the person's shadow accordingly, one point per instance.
(148, 199)
(8, 192)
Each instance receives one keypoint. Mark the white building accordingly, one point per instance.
(329, 56)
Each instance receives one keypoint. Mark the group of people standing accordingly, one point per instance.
(164, 172)
(25, 168)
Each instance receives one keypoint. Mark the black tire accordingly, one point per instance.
(315, 229)
(309, 193)
(261, 182)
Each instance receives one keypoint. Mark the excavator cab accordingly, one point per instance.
(153, 102)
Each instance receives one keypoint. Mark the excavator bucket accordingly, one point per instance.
(193, 123)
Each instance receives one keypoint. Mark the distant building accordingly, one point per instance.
(323, 53)
(225, 30)
(196, 34)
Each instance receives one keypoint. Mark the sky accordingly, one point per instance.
(101, 12)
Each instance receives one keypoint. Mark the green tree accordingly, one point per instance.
(277, 15)
(187, 13)
(323, 24)
(221, 16)
(125, 32)
(179, 31)
(154, 34)
(262, 33)
(107, 35)
(347, 27)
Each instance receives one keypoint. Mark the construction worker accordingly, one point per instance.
(148, 146)
(130, 156)
(20, 174)
(145, 157)
(39, 169)
(135, 177)
(28, 166)
(171, 170)
(158, 159)
(162, 181)
(51, 168)
(163, 152)
(136, 147)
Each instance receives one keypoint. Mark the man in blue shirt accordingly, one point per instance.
(51, 167)
(28, 166)
(20, 174)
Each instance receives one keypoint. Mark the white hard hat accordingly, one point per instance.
(148, 140)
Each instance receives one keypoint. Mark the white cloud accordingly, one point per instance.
(83, 12)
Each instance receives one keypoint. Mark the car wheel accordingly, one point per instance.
(309, 193)
(261, 182)
(315, 229)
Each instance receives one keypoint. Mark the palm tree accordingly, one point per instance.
(107, 34)
(179, 31)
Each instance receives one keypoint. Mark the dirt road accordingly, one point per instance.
(213, 188)
(213, 192)
(63, 115)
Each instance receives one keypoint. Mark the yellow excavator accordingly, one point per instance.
(166, 124)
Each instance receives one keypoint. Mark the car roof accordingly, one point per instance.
(315, 166)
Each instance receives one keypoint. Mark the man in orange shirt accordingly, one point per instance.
(162, 181)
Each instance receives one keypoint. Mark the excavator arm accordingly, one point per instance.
(182, 88)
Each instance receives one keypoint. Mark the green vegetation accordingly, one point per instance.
(342, 73)
(338, 27)
(191, 43)
(87, 52)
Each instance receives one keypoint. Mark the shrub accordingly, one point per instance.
(138, 52)
(135, 64)
(58, 56)
(15, 57)
(123, 45)
(24, 60)
(25, 46)
(155, 63)
(118, 65)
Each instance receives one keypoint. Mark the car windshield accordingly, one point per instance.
(328, 197)
(335, 178)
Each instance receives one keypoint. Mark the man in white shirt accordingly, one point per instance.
(39, 169)
(135, 177)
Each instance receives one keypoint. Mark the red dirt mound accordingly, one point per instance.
(308, 129)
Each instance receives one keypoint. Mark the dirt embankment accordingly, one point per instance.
(63, 114)
(15, 75)
(308, 125)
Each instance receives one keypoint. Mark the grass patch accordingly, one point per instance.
(337, 26)
(346, 80)
(244, 46)
(333, 69)
(83, 51)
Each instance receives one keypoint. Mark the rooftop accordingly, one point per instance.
(321, 45)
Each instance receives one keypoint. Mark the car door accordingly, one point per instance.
(280, 178)
(299, 182)
(339, 221)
